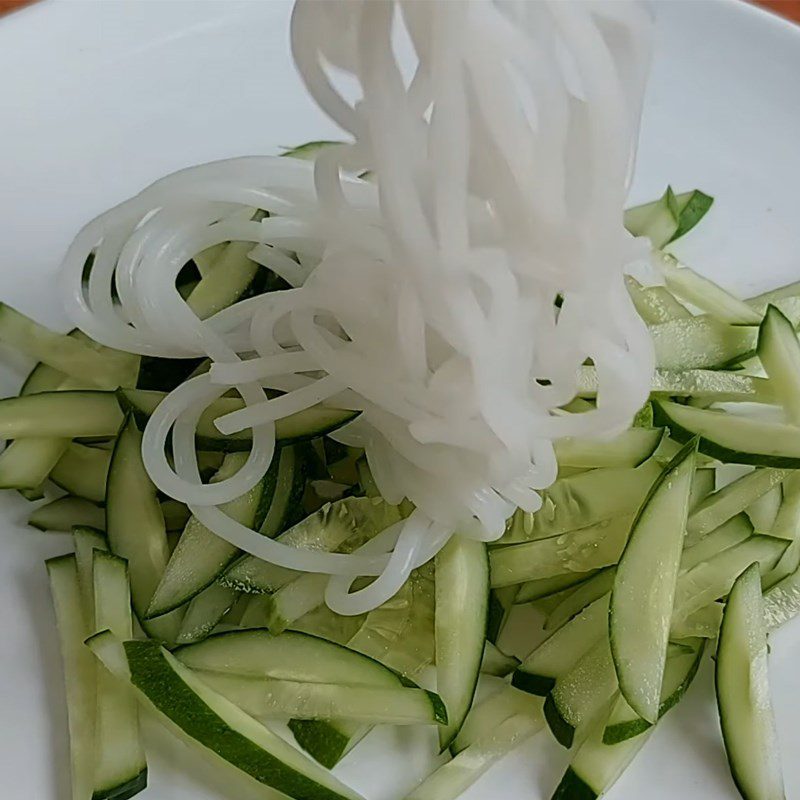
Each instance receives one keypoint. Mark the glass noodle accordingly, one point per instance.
(451, 299)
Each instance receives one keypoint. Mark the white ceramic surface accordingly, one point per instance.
(99, 98)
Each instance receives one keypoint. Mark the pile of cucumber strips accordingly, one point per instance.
(676, 541)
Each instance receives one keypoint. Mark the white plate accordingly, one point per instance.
(98, 99)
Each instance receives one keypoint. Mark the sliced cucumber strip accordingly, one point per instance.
(499, 706)
(65, 513)
(82, 471)
(581, 695)
(282, 507)
(26, 463)
(309, 150)
(702, 623)
(547, 587)
(629, 449)
(176, 514)
(732, 438)
(462, 595)
(782, 601)
(79, 670)
(727, 502)
(712, 579)
(42, 379)
(708, 296)
(713, 385)
(584, 595)
(668, 218)
(292, 656)
(501, 601)
(743, 696)
(583, 500)
(729, 534)
(328, 741)
(644, 586)
(205, 260)
(679, 672)
(86, 541)
(66, 415)
(701, 343)
(579, 551)
(206, 718)
(456, 776)
(200, 555)
(294, 600)
(761, 301)
(205, 611)
(702, 486)
(553, 658)
(106, 369)
(655, 304)
(596, 766)
(354, 520)
(779, 353)
(265, 698)
(135, 525)
(304, 425)
(496, 662)
(120, 768)
(764, 511)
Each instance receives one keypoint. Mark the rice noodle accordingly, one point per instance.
(426, 299)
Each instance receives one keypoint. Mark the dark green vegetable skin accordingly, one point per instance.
(153, 676)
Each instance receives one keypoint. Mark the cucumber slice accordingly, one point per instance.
(712, 579)
(302, 426)
(106, 369)
(708, 296)
(176, 514)
(702, 623)
(579, 551)
(581, 695)
(26, 463)
(732, 438)
(655, 304)
(206, 718)
(494, 710)
(713, 385)
(42, 379)
(629, 449)
(265, 698)
(281, 508)
(120, 768)
(583, 500)
(779, 352)
(743, 696)
(729, 534)
(328, 741)
(554, 658)
(205, 260)
(496, 662)
(294, 600)
(701, 343)
(729, 501)
(787, 526)
(584, 595)
(462, 595)
(66, 415)
(501, 601)
(702, 485)
(668, 218)
(82, 471)
(205, 611)
(86, 541)
(67, 512)
(596, 766)
(135, 526)
(79, 670)
(200, 555)
(548, 587)
(680, 670)
(645, 579)
(456, 776)
(782, 601)
(354, 520)
(292, 656)
(764, 512)
(309, 150)
(761, 301)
